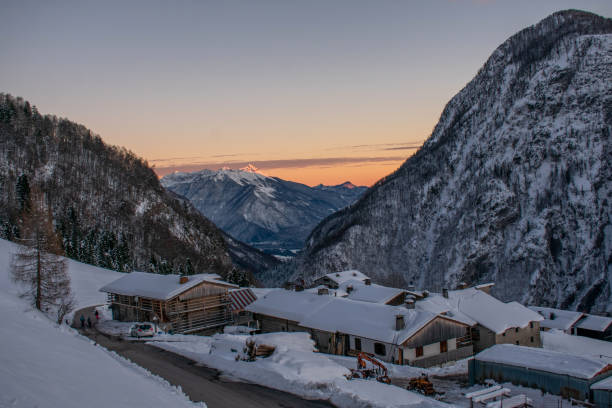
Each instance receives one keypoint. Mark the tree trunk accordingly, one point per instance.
(38, 281)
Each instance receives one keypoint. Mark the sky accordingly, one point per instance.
(310, 91)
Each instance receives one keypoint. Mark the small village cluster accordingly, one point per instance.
(346, 314)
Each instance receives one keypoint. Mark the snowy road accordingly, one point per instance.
(198, 382)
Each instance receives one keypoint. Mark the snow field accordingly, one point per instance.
(45, 365)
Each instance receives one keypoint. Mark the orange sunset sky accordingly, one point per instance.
(310, 91)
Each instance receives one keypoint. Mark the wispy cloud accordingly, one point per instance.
(324, 162)
(403, 148)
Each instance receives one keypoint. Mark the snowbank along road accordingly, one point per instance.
(200, 383)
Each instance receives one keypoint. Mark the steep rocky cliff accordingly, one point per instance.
(513, 186)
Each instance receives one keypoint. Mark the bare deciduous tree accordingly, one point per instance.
(38, 263)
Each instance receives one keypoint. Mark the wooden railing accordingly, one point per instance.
(186, 316)
(464, 341)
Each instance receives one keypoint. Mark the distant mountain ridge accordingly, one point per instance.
(106, 202)
(514, 185)
(268, 213)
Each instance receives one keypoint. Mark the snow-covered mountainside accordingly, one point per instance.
(513, 186)
(107, 203)
(45, 365)
(268, 213)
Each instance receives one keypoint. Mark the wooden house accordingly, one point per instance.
(182, 304)
(493, 321)
(347, 327)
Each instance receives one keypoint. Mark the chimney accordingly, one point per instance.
(399, 322)
(323, 291)
(409, 304)
(183, 279)
(445, 292)
(367, 281)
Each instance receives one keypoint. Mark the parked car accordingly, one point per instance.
(142, 330)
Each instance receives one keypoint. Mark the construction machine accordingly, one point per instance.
(421, 384)
(376, 369)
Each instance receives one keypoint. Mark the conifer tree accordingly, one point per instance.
(23, 193)
(189, 267)
(38, 264)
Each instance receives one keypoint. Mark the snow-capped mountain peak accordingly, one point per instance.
(250, 168)
(267, 212)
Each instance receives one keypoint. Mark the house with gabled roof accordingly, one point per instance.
(347, 327)
(373, 293)
(597, 327)
(578, 323)
(495, 322)
(335, 279)
(558, 319)
(182, 304)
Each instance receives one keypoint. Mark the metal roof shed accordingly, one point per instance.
(557, 373)
(602, 393)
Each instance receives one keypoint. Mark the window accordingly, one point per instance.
(516, 330)
(532, 339)
(504, 334)
(475, 334)
(531, 325)
(419, 351)
(357, 344)
(517, 342)
(443, 346)
(380, 349)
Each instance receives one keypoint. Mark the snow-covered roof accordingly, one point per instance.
(558, 340)
(557, 318)
(370, 293)
(544, 360)
(341, 277)
(241, 298)
(473, 306)
(155, 286)
(335, 314)
(261, 292)
(605, 384)
(369, 320)
(440, 305)
(595, 323)
(331, 292)
(286, 304)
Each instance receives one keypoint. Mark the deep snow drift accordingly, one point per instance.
(294, 368)
(43, 365)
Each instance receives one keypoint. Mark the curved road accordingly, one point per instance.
(199, 382)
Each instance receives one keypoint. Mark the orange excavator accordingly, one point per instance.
(377, 369)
